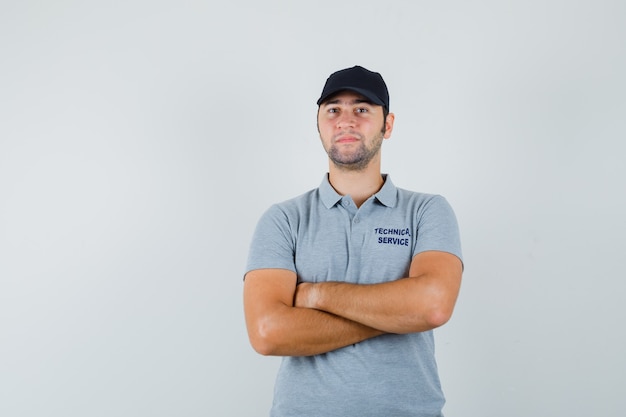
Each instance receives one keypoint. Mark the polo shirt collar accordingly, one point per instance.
(387, 195)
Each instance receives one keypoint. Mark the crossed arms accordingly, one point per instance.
(286, 319)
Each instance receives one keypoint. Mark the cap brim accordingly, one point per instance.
(365, 93)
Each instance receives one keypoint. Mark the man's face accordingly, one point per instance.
(351, 130)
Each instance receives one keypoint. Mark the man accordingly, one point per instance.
(347, 281)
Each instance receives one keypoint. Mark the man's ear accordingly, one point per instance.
(389, 125)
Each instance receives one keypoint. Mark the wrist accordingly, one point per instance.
(306, 295)
(315, 296)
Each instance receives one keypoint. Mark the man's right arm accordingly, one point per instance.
(276, 327)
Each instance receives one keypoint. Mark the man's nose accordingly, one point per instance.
(346, 119)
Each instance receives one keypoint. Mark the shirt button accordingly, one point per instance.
(356, 220)
(345, 203)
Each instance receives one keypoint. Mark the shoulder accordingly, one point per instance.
(293, 207)
(419, 199)
(298, 202)
(427, 208)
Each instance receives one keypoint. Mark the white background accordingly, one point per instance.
(141, 140)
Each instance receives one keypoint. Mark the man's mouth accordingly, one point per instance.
(346, 139)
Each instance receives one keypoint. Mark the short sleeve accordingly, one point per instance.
(437, 228)
(273, 244)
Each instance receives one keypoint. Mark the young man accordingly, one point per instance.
(347, 281)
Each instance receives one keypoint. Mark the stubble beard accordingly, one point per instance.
(357, 159)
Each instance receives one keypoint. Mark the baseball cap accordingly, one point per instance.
(360, 80)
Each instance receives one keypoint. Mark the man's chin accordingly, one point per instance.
(351, 165)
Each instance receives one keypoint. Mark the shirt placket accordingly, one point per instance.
(356, 236)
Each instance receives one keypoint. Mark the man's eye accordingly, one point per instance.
(361, 110)
(332, 110)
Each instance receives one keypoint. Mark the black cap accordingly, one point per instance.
(360, 80)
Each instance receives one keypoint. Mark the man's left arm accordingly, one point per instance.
(422, 301)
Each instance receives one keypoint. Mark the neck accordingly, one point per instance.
(360, 185)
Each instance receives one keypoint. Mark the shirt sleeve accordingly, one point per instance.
(273, 243)
(437, 228)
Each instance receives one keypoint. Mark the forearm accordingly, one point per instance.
(276, 326)
(403, 306)
(294, 331)
(421, 302)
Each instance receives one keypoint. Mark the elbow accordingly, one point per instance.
(263, 339)
(437, 317)
(262, 347)
(440, 311)
(422, 321)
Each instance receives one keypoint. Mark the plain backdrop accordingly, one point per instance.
(141, 140)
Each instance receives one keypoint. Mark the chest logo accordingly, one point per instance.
(398, 237)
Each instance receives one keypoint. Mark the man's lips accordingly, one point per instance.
(346, 139)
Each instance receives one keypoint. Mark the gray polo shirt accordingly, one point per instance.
(323, 236)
